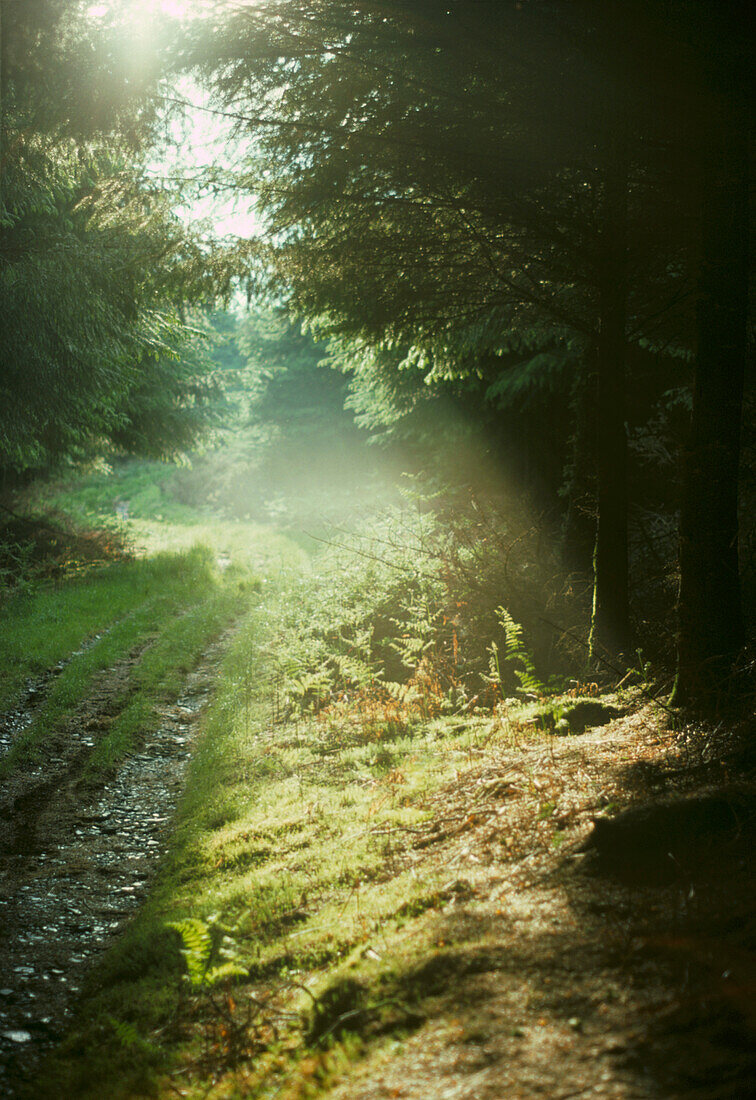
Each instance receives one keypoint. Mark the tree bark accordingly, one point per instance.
(579, 475)
(710, 622)
(610, 623)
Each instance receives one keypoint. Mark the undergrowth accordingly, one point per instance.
(354, 689)
(381, 634)
(351, 693)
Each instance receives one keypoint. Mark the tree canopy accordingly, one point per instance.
(96, 271)
(489, 208)
(452, 183)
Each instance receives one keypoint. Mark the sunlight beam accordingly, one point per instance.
(174, 9)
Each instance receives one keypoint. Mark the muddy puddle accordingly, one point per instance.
(73, 869)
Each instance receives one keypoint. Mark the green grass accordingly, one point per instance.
(284, 835)
(45, 625)
(158, 520)
(45, 622)
(162, 670)
(145, 486)
(190, 575)
(285, 838)
(169, 606)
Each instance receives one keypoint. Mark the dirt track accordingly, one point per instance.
(77, 860)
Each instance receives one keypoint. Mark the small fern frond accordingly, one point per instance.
(517, 655)
(204, 944)
(224, 972)
(197, 947)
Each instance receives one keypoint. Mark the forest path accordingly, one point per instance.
(556, 979)
(77, 859)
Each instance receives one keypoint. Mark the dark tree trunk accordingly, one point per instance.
(610, 624)
(710, 622)
(579, 477)
(2, 103)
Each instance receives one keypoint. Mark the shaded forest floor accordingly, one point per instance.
(625, 971)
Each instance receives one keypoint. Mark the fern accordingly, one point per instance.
(129, 1039)
(198, 945)
(208, 950)
(516, 655)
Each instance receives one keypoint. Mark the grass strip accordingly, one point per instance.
(160, 675)
(284, 839)
(41, 628)
(162, 589)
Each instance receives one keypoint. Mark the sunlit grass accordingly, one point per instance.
(307, 773)
(251, 545)
(192, 573)
(48, 623)
(141, 500)
(180, 599)
(162, 670)
(285, 831)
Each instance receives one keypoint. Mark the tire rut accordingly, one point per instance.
(76, 862)
(18, 718)
(60, 758)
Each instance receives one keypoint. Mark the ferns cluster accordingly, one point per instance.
(379, 624)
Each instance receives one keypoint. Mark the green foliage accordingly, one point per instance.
(95, 269)
(284, 438)
(93, 347)
(516, 657)
(390, 221)
(135, 1045)
(284, 383)
(371, 611)
(517, 654)
(209, 951)
(393, 617)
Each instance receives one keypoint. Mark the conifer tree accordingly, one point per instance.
(423, 194)
(95, 270)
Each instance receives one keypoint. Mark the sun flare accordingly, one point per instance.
(175, 9)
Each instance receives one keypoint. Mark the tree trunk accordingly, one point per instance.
(2, 105)
(610, 624)
(579, 476)
(710, 622)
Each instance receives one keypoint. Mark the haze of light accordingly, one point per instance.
(204, 138)
(176, 9)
